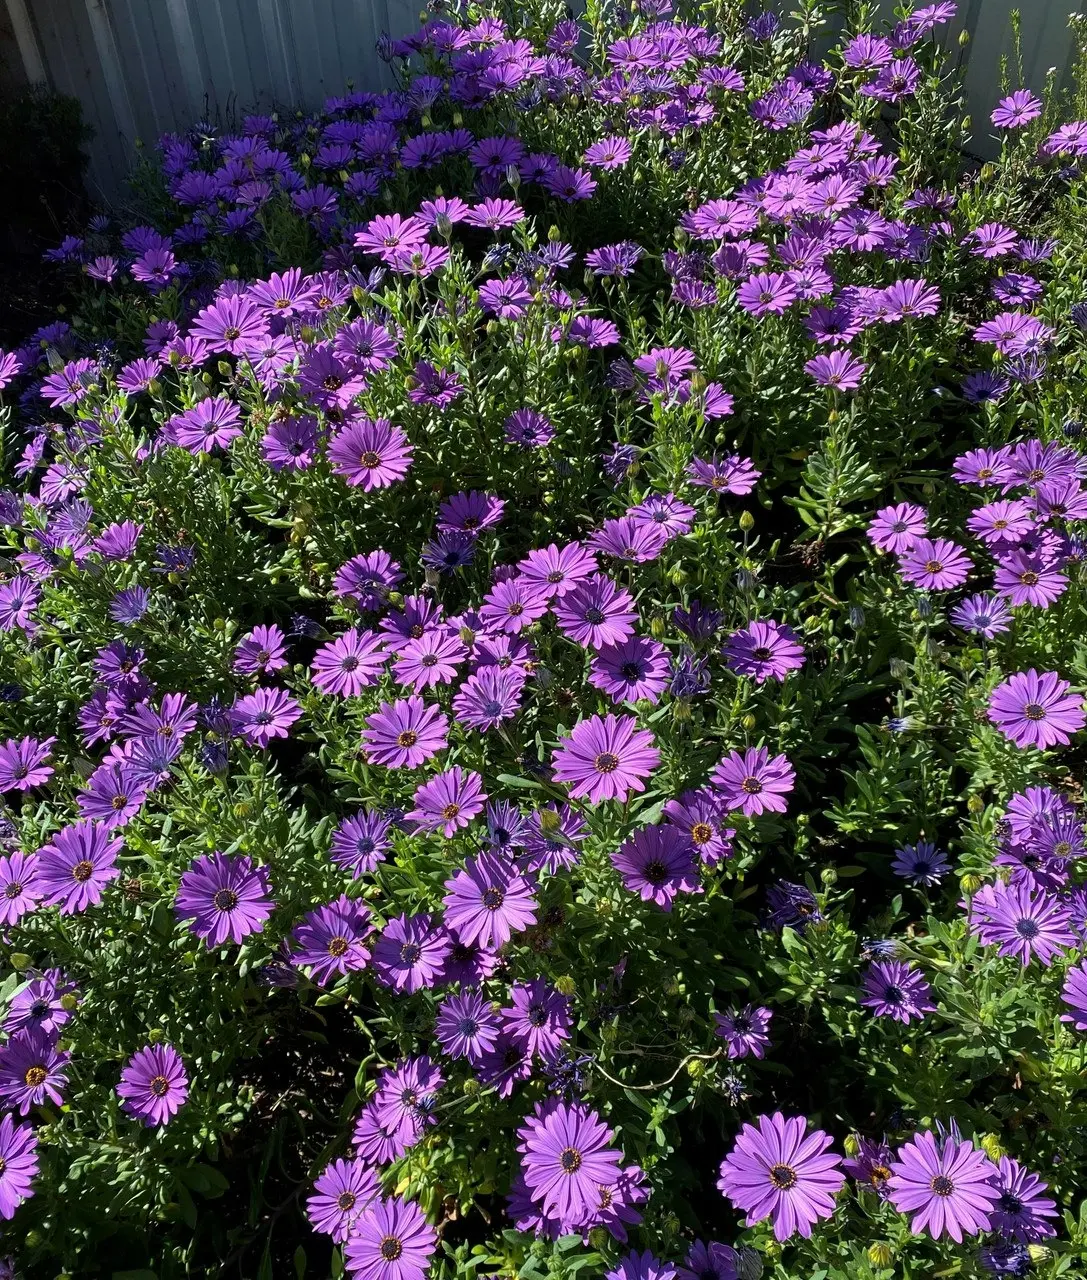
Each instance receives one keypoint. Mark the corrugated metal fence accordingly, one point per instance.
(141, 67)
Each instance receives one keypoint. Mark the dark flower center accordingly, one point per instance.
(410, 953)
(350, 663)
(332, 383)
(555, 577)
(701, 833)
(594, 617)
(36, 1076)
(232, 333)
(13, 890)
(118, 803)
(429, 660)
(1032, 711)
(1009, 1203)
(782, 1177)
(39, 1009)
(450, 812)
(762, 654)
(933, 566)
(537, 1015)
(159, 1086)
(345, 1201)
(941, 1185)
(391, 1249)
(1029, 578)
(570, 1160)
(408, 738)
(337, 946)
(492, 898)
(879, 1175)
(606, 762)
(656, 872)
(1027, 928)
(893, 994)
(225, 900)
(263, 718)
(741, 1024)
(82, 871)
(468, 1027)
(369, 459)
(751, 786)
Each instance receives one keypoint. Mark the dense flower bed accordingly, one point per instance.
(542, 627)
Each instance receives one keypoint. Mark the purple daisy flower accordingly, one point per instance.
(1074, 994)
(746, 1031)
(390, 1240)
(20, 890)
(840, 370)
(764, 651)
(488, 901)
(1022, 1211)
(32, 1070)
(350, 663)
(753, 782)
(897, 528)
(1029, 579)
(211, 424)
(344, 1190)
(76, 866)
(22, 763)
(921, 863)
(893, 989)
(1023, 923)
(596, 612)
(711, 1261)
(226, 898)
(566, 1157)
(410, 953)
(642, 1266)
(1016, 110)
(114, 795)
(538, 1019)
(947, 1187)
(448, 801)
(372, 455)
(401, 735)
(430, 660)
(1035, 709)
(734, 475)
(154, 1084)
(935, 564)
(557, 570)
(368, 579)
(265, 714)
(489, 697)
(467, 1026)
(636, 669)
(361, 842)
(657, 863)
(700, 816)
(18, 1164)
(780, 1171)
(261, 651)
(330, 941)
(985, 615)
(605, 758)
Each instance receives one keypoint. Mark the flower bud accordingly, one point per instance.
(69, 1003)
(969, 884)
(33, 1239)
(681, 710)
(880, 1255)
(749, 722)
(154, 1036)
(678, 576)
(565, 985)
(696, 1069)
(658, 628)
(975, 804)
(828, 876)
(20, 961)
(1039, 1253)
(599, 1238)
(990, 1144)
(747, 522)
(851, 1145)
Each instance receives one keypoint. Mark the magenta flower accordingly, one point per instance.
(764, 651)
(488, 901)
(340, 1194)
(529, 429)
(211, 424)
(410, 953)
(780, 1171)
(350, 663)
(76, 866)
(538, 1019)
(566, 1157)
(360, 843)
(232, 325)
(657, 863)
(489, 697)
(154, 1084)
(767, 293)
(261, 651)
(1029, 579)
(20, 890)
(893, 989)
(1035, 709)
(32, 1070)
(605, 758)
(733, 475)
(512, 606)
(18, 1164)
(448, 801)
(330, 941)
(22, 763)
(467, 1026)
(935, 564)
(1023, 1210)
(390, 1240)
(596, 612)
(948, 1188)
(700, 816)
(840, 370)
(746, 1031)
(1022, 922)
(753, 782)
(1074, 994)
(263, 715)
(897, 528)
(372, 455)
(401, 735)
(225, 897)
(631, 539)
(636, 669)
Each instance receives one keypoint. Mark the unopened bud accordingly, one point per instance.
(969, 884)
(565, 985)
(747, 522)
(880, 1255)
(975, 804)
(828, 876)
(20, 961)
